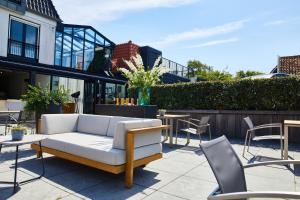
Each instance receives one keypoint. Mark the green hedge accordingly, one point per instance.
(260, 94)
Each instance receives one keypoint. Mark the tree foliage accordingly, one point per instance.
(207, 72)
(243, 74)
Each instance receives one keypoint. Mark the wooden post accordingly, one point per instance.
(129, 160)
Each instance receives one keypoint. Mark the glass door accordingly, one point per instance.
(89, 97)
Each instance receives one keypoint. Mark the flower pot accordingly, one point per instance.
(17, 135)
(54, 109)
(144, 96)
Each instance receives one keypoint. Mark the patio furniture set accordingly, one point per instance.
(120, 144)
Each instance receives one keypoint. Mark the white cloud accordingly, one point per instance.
(214, 43)
(275, 23)
(199, 33)
(87, 11)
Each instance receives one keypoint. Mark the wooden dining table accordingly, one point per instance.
(169, 119)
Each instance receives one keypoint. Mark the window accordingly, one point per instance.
(23, 40)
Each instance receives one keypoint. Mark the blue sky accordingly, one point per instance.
(230, 35)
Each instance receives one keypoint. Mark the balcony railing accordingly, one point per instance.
(177, 69)
(24, 50)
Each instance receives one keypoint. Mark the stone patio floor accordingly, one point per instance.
(183, 173)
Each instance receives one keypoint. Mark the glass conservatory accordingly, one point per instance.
(82, 48)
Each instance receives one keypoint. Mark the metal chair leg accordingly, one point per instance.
(249, 143)
(176, 132)
(209, 132)
(245, 142)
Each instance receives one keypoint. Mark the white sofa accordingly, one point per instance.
(110, 143)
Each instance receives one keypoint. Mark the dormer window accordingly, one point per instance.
(23, 40)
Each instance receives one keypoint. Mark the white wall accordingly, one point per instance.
(4, 18)
(47, 29)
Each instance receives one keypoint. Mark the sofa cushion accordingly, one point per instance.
(113, 124)
(153, 137)
(59, 123)
(94, 124)
(96, 147)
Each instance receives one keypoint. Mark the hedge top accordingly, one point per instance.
(246, 94)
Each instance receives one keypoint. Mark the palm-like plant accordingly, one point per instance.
(140, 78)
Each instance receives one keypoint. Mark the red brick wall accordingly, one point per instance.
(290, 65)
(123, 51)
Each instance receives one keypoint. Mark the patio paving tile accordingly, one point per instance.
(77, 180)
(202, 173)
(9, 176)
(37, 190)
(114, 190)
(162, 196)
(259, 183)
(153, 179)
(171, 166)
(189, 188)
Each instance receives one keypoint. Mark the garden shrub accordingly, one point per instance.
(246, 94)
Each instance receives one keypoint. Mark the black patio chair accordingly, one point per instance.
(229, 172)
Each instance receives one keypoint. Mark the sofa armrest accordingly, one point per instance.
(147, 130)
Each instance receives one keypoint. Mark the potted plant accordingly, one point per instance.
(41, 100)
(18, 132)
(37, 100)
(58, 99)
(141, 79)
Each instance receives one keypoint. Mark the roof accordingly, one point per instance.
(44, 8)
(290, 64)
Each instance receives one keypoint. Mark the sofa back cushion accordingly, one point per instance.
(153, 137)
(59, 123)
(113, 124)
(93, 124)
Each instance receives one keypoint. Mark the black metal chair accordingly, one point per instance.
(229, 172)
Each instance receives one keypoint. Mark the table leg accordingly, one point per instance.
(42, 159)
(286, 142)
(16, 168)
(171, 132)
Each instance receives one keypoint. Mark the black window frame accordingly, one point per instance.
(23, 43)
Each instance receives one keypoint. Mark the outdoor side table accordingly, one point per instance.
(170, 121)
(28, 139)
(286, 125)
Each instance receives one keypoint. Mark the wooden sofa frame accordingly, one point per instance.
(128, 167)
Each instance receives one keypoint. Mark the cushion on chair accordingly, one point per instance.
(153, 137)
(94, 124)
(113, 124)
(96, 147)
(59, 123)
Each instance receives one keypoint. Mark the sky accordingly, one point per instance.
(230, 35)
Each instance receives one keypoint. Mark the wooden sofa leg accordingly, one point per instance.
(38, 154)
(129, 161)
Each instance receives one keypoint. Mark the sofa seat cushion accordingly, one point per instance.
(96, 147)
(114, 122)
(59, 123)
(93, 124)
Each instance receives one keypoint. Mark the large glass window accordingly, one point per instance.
(67, 44)
(82, 48)
(23, 40)
(58, 49)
